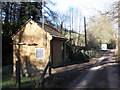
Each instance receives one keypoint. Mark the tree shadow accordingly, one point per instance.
(61, 79)
(64, 78)
(28, 69)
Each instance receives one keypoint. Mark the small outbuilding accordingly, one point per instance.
(33, 46)
(103, 46)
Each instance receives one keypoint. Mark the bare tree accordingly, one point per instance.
(101, 30)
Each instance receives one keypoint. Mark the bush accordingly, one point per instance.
(85, 55)
(81, 56)
(93, 53)
(7, 70)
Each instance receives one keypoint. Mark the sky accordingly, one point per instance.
(87, 7)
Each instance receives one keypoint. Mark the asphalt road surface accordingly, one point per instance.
(103, 74)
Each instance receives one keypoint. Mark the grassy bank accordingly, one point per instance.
(8, 81)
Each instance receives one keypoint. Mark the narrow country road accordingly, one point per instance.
(103, 74)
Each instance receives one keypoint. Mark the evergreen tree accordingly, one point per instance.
(15, 14)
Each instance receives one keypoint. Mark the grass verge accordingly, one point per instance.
(9, 81)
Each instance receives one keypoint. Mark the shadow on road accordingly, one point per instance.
(103, 74)
(64, 77)
(74, 75)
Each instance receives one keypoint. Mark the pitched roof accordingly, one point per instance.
(53, 32)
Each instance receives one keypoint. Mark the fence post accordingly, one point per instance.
(50, 69)
(18, 78)
(50, 65)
